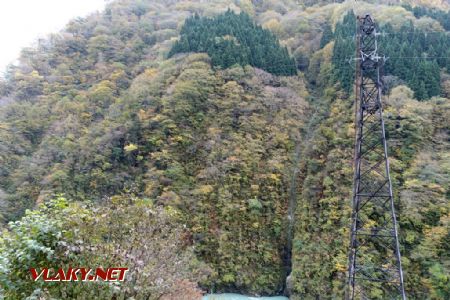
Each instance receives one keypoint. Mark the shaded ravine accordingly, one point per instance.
(300, 149)
(292, 204)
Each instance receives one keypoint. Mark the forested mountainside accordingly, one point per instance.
(138, 137)
(231, 39)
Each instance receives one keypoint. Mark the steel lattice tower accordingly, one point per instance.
(375, 270)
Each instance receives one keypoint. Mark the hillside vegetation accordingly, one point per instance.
(231, 39)
(171, 136)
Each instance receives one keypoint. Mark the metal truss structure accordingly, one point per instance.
(375, 270)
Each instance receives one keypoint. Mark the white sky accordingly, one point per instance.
(23, 21)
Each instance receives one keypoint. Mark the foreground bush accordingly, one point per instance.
(124, 232)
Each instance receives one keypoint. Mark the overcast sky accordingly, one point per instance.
(23, 21)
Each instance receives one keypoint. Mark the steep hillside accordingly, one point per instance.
(131, 139)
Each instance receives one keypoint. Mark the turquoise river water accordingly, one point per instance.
(239, 297)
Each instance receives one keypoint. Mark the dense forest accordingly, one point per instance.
(414, 56)
(168, 137)
(231, 39)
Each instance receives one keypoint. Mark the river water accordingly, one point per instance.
(239, 297)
